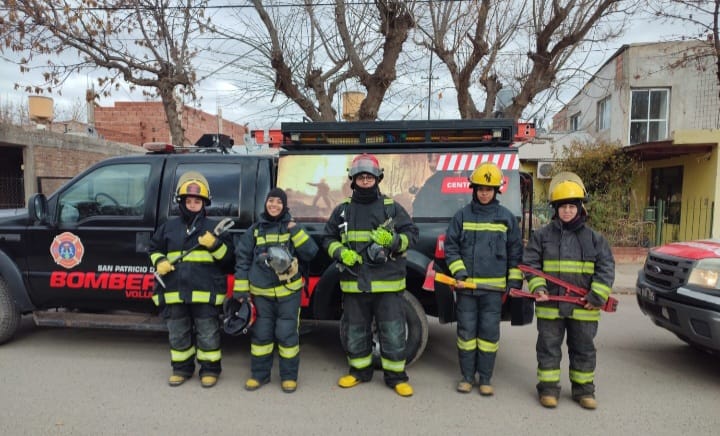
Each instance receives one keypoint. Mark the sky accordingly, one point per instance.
(215, 96)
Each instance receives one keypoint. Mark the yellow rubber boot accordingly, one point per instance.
(588, 402)
(404, 389)
(253, 384)
(348, 381)
(289, 386)
(486, 390)
(464, 387)
(548, 401)
(208, 381)
(176, 380)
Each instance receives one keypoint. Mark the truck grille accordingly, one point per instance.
(667, 272)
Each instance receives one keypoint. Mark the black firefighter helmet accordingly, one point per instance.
(239, 316)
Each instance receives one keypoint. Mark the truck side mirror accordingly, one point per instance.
(38, 208)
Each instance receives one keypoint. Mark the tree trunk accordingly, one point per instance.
(172, 113)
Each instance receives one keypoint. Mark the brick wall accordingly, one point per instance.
(51, 158)
(140, 122)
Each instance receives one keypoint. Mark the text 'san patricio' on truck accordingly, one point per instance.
(679, 289)
(78, 258)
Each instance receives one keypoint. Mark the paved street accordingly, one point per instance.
(90, 382)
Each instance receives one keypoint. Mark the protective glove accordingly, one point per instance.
(208, 240)
(383, 236)
(350, 257)
(241, 296)
(163, 267)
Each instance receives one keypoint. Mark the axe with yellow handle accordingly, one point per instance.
(451, 281)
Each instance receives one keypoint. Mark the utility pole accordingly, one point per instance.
(430, 79)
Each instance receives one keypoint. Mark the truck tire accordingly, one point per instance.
(416, 329)
(9, 315)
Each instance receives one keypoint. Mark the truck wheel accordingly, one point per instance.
(417, 328)
(9, 315)
(416, 331)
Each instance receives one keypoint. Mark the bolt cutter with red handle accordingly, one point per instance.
(573, 293)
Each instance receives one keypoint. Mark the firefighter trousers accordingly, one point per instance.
(278, 322)
(386, 309)
(194, 332)
(581, 351)
(478, 334)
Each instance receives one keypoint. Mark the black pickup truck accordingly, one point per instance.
(79, 257)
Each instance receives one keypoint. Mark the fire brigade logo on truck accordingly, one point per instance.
(67, 250)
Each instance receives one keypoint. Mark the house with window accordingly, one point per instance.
(661, 102)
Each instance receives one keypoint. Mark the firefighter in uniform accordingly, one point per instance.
(194, 286)
(568, 249)
(368, 235)
(267, 267)
(483, 247)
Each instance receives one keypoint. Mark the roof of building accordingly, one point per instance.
(549, 146)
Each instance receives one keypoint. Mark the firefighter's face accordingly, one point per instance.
(567, 212)
(274, 206)
(193, 204)
(485, 194)
(365, 180)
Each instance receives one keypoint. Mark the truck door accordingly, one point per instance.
(93, 253)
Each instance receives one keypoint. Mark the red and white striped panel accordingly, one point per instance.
(470, 161)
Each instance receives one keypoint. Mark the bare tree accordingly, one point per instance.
(702, 19)
(313, 49)
(467, 37)
(479, 43)
(145, 43)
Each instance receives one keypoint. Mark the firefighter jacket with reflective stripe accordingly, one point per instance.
(350, 226)
(484, 243)
(580, 256)
(252, 272)
(199, 277)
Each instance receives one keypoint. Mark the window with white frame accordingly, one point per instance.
(575, 122)
(649, 115)
(603, 114)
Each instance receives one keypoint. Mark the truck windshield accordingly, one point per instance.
(429, 185)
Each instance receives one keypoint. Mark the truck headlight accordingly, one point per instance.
(706, 273)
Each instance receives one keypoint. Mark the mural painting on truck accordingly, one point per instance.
(427, 184)
(427, 176)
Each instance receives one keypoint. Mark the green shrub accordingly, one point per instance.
(607, 174)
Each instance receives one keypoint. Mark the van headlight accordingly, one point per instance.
(706, 273)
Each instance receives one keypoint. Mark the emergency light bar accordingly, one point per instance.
(159, 147)
(399, 134)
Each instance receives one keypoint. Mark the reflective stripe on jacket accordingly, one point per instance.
(198, 277)
(580, 256)
(350, 226)
(252, 274)
(484, 242)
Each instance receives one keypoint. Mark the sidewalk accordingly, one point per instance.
(625, 277)
(628, 261)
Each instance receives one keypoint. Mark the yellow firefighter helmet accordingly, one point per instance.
(195, 184)
(567, 190)
(487, 174)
